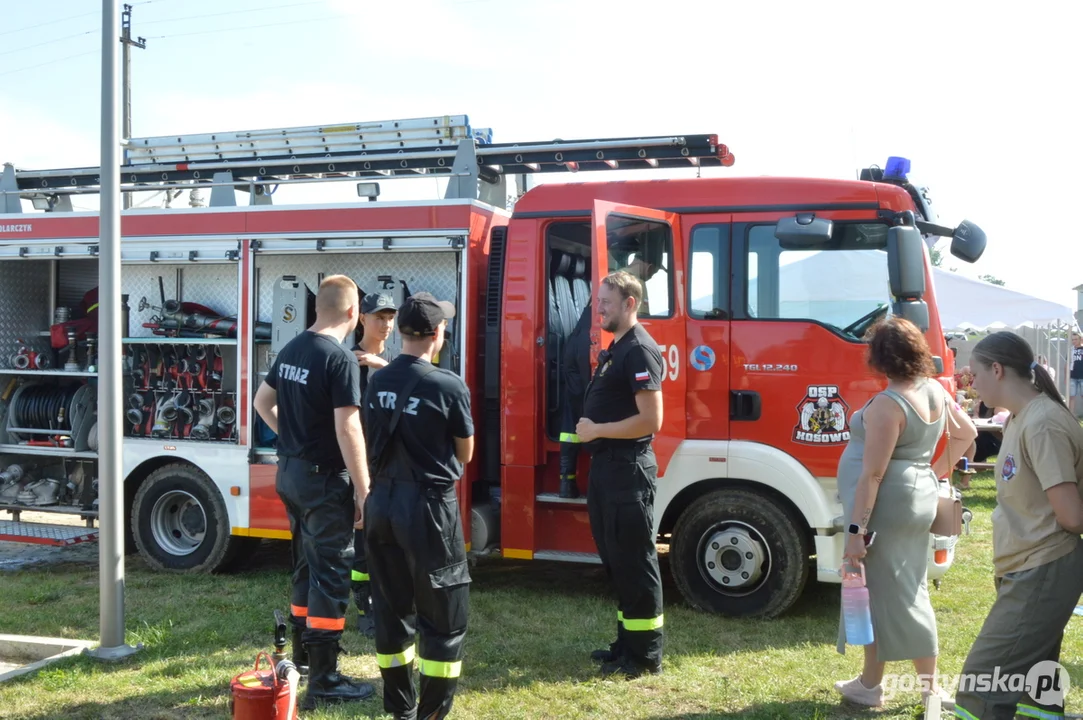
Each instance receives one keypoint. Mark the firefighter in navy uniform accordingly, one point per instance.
(420, 432)
(311, 399)
(621, 413)
(377, 320)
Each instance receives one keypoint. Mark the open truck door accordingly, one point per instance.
(644, 242)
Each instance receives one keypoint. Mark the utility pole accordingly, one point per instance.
(126, 78)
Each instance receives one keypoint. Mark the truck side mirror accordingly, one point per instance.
(906, 262)
(916, 311)
(802, 230)
(968, 242)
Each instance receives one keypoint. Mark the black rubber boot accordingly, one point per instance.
(365, 623)
(569, 453)
(300, 652)
(628, 669)
(615, 651)
(568, 488)
(605, 656)
(326, 684)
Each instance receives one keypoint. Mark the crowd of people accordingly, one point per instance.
(370, 448)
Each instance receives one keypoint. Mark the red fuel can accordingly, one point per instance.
(262, 695)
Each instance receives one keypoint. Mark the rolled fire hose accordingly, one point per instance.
(183, 402)
(202, 430)
(43, 407)
(166, 415)
(226, 417)
(134, 414)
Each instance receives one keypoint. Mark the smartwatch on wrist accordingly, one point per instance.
(855, 529)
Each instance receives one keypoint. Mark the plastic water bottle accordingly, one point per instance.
(857, 617)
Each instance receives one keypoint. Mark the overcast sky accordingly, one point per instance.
(981, 99)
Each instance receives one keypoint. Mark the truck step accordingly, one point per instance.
(555, 498)
(43, 534)
(563, 556)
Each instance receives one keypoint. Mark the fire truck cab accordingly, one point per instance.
(760, 376)
(759, 382)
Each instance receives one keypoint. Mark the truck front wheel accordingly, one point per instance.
(739, 553)
(180, 522)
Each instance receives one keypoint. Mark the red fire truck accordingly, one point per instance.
(763, 364)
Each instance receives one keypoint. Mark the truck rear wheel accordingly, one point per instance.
(739, 553)
(180, 522)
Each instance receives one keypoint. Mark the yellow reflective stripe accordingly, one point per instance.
(964, 714)
(92, 308)
(359, 576)
(397, 659)
(620, 616)
(642, 625)
(569, 438)
(1035, 712)
(439, 668)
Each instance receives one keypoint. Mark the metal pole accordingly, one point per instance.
(110, 485)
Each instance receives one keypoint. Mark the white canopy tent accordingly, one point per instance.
(841, 286)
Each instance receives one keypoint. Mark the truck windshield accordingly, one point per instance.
(842, 283)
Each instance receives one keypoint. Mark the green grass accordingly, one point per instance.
(532, 627)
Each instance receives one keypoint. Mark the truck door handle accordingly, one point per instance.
(744, 405)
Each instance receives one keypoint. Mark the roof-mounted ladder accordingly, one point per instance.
(443, 145)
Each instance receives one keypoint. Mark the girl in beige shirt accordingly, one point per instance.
(1037, 552)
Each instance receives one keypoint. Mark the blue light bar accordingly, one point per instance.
(897, 168)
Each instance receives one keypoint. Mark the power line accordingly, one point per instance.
(50, 22)
(234, 12)
(245, 27)
(50, 42)
(48, 62)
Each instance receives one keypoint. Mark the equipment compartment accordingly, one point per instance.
(181, 352)
(181, 391)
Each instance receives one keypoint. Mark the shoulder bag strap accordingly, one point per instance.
(399, 406)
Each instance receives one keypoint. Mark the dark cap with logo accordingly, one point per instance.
(377, 302)
(422, 313)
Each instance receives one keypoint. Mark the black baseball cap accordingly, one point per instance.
(377, 302)
(422, 313)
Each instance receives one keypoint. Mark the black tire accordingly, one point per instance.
(180, 522)
(764, 548)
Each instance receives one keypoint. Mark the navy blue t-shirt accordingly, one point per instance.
(437, 412)
(313, 375)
